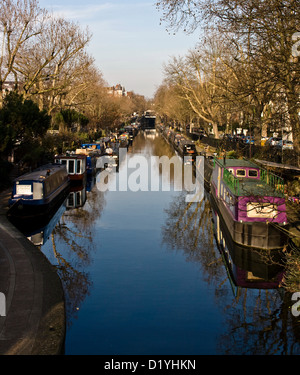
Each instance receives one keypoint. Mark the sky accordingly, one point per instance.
(129, 45)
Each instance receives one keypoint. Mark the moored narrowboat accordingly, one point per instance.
(187, 150)
(38, 192)
(91, 159)
(251, 201)
(75, 164)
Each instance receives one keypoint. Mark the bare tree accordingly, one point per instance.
(20, 21)
(265, 31)
(50, 66)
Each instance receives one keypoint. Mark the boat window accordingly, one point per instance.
(71, 166)
(78, 170)
(261, 210)
(252, 173)
(78, 200)
(71, 200)
(64, 162)
(37, 190)
(23, 189)
(240, 173)
(231, 170)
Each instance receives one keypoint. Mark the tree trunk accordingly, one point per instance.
(293, 110)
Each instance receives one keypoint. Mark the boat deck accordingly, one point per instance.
(267, 184)
(256, 188)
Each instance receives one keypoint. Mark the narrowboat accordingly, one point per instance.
(75, 164)
(124, 140)
(251, 201)
(39, 192)
(91, 159)
(92, 146)
(187, 150)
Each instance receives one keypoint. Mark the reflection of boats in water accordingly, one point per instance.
(39, 234)
(76, 197)
(251, 202)
(247, 267)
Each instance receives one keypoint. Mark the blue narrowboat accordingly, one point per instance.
(38, 192)
(91, 159)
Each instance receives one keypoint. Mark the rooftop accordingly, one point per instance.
(237, 163)
(40, 174)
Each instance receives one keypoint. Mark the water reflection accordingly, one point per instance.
(247, 267)
(73, 245)
(257, 313)
(66, 239)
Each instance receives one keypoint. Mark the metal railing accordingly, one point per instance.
(232, 182)
(271, 179)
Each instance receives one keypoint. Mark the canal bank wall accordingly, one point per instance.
(32, 322)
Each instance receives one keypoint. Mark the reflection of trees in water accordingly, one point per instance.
(150, 144)
(258, 321)
(72, 245)
(189, 227)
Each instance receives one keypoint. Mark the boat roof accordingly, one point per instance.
(70, 156)
(237, 163)
(40, 174)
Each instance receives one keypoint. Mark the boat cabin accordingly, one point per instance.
(76, 165)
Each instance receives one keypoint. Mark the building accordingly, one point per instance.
(117, 91)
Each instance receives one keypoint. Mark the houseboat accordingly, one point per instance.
(92, 146)
(251, 202)
(187, 151)
(75, 164)
(39, 192)
(91, 159)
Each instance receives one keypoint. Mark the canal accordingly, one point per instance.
(143, 273)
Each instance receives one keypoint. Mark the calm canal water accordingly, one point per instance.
(143, 274)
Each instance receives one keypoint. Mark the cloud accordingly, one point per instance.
(86, 11)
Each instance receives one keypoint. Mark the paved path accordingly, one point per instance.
(34, 321)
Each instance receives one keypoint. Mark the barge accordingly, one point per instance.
(75, 164)
(38, 193)
(251, 202)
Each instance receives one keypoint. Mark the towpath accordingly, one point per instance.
(33, 321)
